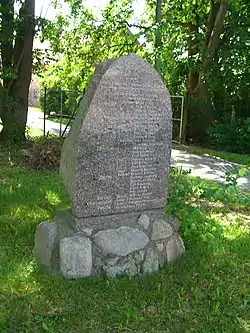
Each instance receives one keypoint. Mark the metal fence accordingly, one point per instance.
(178, 112)
(59, 108)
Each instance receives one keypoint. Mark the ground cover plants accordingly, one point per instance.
(207, 290)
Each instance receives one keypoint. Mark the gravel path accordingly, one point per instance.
(35, 120)
(212, 168)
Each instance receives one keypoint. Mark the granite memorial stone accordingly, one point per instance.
(115, 164)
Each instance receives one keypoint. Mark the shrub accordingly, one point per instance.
(57, 99)
(45, 154)
(231, 137)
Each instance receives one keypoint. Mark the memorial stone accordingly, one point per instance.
(115, 164)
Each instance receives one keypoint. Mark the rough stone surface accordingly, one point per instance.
(143, 221)
(128, 268)
(176, 223)
(175, 248)
(45, 243)
(75, 257)
(115, 164)
(115, 221)
(138, 257)
(64, 221)
(87, 231)
(161, 229)
(111, 262)
(160, 247)
(151, 262)
(69, 156)
(116, 157)
(121, 241)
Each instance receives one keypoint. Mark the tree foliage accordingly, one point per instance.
(204, 54)
(82, 40)
(202, 48)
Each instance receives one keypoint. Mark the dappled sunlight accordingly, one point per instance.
(24, 212)
(52, 197)
(19, 278)
(207, 282)
(233, 225)
(33, 132)
(244, 324)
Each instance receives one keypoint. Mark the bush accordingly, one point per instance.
(231, 137)
(57, 99)
(45, 154)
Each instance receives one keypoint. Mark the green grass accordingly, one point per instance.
(33, 132)
(232, 157)
(31, 108)
(208, 290)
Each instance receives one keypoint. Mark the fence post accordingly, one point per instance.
(181, 124)
(44, 111)
(61, 112)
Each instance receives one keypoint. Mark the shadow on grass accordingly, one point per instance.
(201, 293)
(26, 199)
(206, 291)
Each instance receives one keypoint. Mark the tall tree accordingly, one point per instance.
(200, 111)
(191, 35)
(82, 39)
(158, 38)
(16, 36)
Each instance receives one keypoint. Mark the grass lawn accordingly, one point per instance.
(31, 108)
(208, 290)
(232, 157)
(33, 132)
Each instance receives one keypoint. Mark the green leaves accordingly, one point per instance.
(243, 172)
(189, 195)
(83, 40)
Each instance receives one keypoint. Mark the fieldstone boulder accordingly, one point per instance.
(75, 257)
(46, 244)
(128, 268)
(121, 241)
(151, 263)
(175, 248)
(116, 158)
(143, 221)
(161, 229)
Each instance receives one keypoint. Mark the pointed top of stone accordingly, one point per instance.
(116, 157)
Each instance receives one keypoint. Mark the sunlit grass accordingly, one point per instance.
(206, 291)
(52, 197)
(33, 132)
(31, 108)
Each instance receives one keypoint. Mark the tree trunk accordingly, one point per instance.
(158, 38)
(14, 122)
(16, 91)
(1, 99)
(200, 111)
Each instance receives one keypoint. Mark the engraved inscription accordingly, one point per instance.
(125, 139)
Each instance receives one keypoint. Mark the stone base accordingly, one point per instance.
(127, 244)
